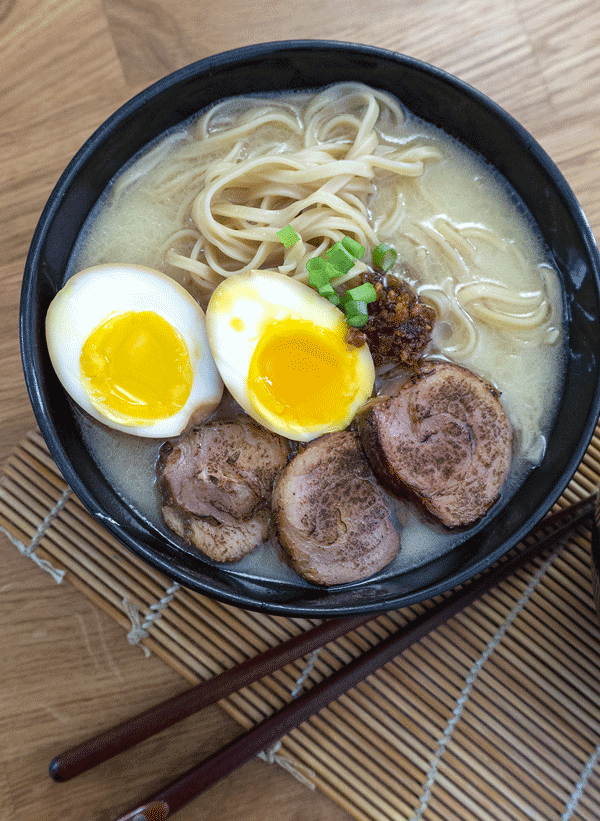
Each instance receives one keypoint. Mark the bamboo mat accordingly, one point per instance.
(493, 717)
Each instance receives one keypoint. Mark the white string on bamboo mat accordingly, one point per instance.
(466, 691)
(580, 786)
(139, 630)
(29, 549)
(310, 663)
(270, 755)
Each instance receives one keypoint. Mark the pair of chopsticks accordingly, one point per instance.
(164, 803)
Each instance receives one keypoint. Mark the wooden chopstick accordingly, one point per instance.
(132, 731)
(164, 803)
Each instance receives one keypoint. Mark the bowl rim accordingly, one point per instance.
(34, 385)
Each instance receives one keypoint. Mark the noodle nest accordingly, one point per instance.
(331, 165)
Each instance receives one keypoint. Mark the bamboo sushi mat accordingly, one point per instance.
(493, 717)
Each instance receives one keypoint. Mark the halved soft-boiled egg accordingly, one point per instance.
(283, 353)
(129, 345)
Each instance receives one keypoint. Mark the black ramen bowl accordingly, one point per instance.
(430, 94)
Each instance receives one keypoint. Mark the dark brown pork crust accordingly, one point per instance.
(331, 517)
(444, 441)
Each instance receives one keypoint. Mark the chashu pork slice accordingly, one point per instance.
(220, 542)
(330, 515)
(216, 482)
(443, 440)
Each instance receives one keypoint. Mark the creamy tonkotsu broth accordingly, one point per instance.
(206, 200)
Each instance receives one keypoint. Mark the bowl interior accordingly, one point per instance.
(427, 92)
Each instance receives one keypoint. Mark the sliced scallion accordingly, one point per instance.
(357, 321)
(318, 266)
(288, 236)
(353, 247)
(337, 261)
(384, 256)
(329, 293)
(355, 308)
(340, 258)
(365, 293)
(318, 278)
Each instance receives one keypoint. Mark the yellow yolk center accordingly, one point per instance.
(303, 375)
(136, 369)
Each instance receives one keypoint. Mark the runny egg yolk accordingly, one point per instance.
(302, 374)
(135, 368)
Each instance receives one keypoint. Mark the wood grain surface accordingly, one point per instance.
(67, 670)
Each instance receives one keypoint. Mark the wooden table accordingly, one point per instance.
(66, 668)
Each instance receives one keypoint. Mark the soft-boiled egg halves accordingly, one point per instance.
(133, 349)
(129, 345)
(283, 353)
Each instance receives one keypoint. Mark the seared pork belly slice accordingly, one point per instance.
(330, 515)
(444, 440)
(220, 542)
(216, 483)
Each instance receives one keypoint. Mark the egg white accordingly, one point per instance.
(91, 296)
(239, 310)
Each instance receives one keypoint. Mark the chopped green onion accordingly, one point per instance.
(340, 258)
(353, 247)
(317, 264)
(318, 278)
(326, 287)
(321, 271)
(365, 292)
(353, 308)
(384, 256)
(288, 236)
(328, 292)
(357, 321)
